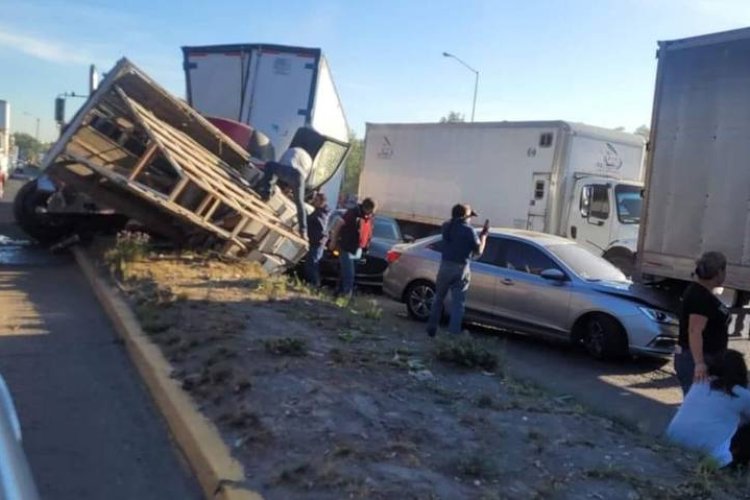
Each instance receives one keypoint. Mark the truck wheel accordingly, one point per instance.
(418, 298)
(622, 259)
(604, 338)
(44, 228)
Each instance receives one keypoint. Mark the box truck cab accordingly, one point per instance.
(557, 177)
(604, 217)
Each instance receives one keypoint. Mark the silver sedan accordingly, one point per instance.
(542, 284)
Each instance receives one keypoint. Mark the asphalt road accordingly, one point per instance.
(90, 428)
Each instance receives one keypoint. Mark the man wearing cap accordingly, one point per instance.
(460, 243)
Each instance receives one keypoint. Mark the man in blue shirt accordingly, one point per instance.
(460, 244)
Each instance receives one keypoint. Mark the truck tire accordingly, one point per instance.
(623, 259)
(44, 228)
(604, 337)
(418, 297)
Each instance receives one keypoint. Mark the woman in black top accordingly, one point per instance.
(704, 321)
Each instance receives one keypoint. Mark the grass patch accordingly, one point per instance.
(467, 353)
(477, 466)
(485, 401)
(286, 346)
(129, 247)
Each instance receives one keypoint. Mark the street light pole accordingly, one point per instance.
(476, 81)
(37, 123)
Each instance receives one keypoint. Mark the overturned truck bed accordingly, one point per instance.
(135, 150)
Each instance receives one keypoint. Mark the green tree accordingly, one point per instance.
(644, 131)
(28, 147)
(353, 166)
(453, 117)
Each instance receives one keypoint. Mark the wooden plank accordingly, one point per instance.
(77, 142)
(204, 204)
(213, 208)
(148, 155)
(179, 188)
(154, 129)
(154, 197)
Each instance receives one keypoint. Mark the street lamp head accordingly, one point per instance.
(446, 54)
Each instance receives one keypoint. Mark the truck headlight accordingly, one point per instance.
(660, 316)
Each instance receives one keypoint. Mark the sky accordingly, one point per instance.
(589, 61)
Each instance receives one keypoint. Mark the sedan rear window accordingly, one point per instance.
(386, 229)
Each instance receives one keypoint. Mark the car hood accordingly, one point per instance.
(636, 292)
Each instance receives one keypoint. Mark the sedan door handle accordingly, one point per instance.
(507, 281)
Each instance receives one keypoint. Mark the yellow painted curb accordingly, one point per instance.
(197, 437)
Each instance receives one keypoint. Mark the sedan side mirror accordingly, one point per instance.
(409, 238)
(554, 275)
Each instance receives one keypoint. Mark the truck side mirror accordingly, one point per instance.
(585, 205)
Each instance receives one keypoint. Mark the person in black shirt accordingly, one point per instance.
(317, 235)
(704, 321)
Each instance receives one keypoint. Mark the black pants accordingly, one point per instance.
(740, 447)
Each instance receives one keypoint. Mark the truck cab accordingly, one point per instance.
(604, 216)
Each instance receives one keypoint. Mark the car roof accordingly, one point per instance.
(543, 239)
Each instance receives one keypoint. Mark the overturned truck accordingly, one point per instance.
(134, 152)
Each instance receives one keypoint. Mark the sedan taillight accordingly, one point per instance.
(392, 256)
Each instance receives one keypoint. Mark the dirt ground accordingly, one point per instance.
(324, 400)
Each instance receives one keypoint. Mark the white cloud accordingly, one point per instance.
(48, 50)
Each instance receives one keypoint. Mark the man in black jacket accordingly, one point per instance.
(317, 235)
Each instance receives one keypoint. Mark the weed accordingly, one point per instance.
(337, 355)
(129, 247)
(347, 336)
(286, 346)
(293, 474)
(242, 385)
(485, 401)
(372, 310)
(477, 466)
(152, 321)
(467, 353)
(523, 388)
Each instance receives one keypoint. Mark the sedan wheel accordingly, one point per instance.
(604, 338)
(419, 297)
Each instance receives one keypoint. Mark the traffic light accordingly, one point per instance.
(60, 110)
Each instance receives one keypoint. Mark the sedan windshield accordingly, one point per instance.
(585, 264)
(629, 203)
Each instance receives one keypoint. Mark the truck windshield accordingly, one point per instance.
(327, 162)
(629, 203)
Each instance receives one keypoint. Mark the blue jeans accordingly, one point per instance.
(346, 260)
(684, 367)
(455, 278)
(312, 264)
(274, 172)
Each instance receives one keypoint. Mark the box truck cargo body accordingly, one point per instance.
(275, 89)
(697, 195)
(558, 177)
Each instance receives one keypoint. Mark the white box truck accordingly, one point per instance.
(5, 141)
(558, 177)
(697, 195)
(273, 88)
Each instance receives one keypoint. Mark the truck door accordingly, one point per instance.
(537, 216)
(280, 93)
(590, 221)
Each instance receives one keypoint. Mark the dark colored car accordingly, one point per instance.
(368, 271)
